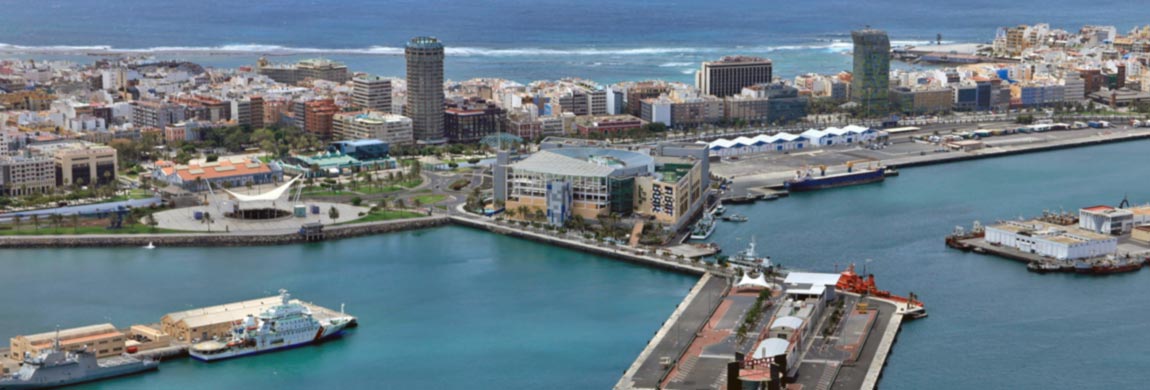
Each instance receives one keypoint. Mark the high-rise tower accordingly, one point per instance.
(871, 79)
(425, 89)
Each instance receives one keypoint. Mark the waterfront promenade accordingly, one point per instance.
(771, 169)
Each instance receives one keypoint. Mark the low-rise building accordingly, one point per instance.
(611, 124)
(227, 172)
(1106, 220)
(103, 340)
(212, 322)
(468, 121)
(1050, 240)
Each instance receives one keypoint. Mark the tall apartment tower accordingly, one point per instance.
(425, 89)
(870, 82)
(728, 76)
(371, 93)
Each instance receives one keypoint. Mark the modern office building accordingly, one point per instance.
(371, 93)
(80, 162)
(392, 128)
(590, 182)
(729, 75)
(870, 81)
(20, 175)
(316, 68)
(469, 121)
(424, 106)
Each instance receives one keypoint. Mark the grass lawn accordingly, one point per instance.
(27, 230)
(429, 199)
(403, 185)
(386, 215)
(137, 193)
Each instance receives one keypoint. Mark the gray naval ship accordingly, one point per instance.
(55, 367)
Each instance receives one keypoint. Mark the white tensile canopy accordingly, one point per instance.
(748, 282)
(272, 195)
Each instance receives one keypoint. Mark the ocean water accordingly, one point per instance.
(522, 40)
(992, 324)
(485, 312)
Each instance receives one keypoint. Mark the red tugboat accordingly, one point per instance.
(851, 282)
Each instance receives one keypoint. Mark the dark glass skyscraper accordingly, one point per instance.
(425, 89)
(870, 82)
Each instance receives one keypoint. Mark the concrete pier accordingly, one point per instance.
(672, 339)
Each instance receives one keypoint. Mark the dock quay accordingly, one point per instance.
(168, 339)
(659, 258)
(771, 169)
(669, 343)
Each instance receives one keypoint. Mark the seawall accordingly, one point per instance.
(220, 239)
(593, 248)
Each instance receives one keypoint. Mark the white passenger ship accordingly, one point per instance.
(289, 324)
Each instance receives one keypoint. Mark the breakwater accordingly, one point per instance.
(218, 239)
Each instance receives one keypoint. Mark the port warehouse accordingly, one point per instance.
(787, 141)
(178, 328)
(1094, 236)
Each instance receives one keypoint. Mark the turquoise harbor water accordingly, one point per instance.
(438, 309)
(992, 324)
(458, 307)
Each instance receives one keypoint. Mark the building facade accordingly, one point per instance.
(316, 68)
(371, 93)
(1046, 239)
(870, 81)
(394, 129)
(729, 75)
(424, 106)
(470, 120)
(20, 175)
(103, 340)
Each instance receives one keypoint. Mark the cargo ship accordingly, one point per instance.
(56, 367)
(289, 324)
(809, 182)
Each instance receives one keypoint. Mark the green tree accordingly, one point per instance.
(333, 213)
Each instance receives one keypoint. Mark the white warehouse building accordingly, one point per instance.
(1050, 240)
(787, 141)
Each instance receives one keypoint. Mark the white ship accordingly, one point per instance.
(703, 229)
(289, 324)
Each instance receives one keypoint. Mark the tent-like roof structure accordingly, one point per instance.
(748, 282)
(274, 194)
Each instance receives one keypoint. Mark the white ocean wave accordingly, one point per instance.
(675, 64)
(259, 49)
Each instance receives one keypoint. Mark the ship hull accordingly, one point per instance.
(107, 373)
(323, 334)
(850, 179)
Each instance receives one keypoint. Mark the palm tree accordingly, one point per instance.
(36, 222)
(75, 223)
(56, 220)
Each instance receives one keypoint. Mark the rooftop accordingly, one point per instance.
(594, 162)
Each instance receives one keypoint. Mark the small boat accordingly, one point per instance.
(735, 218)
(719, 209)
(1043, 267)
(750, 259)
(703, 228)
(149, 246)
(1083, 267)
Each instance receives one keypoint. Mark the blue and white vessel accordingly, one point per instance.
(289, 324)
